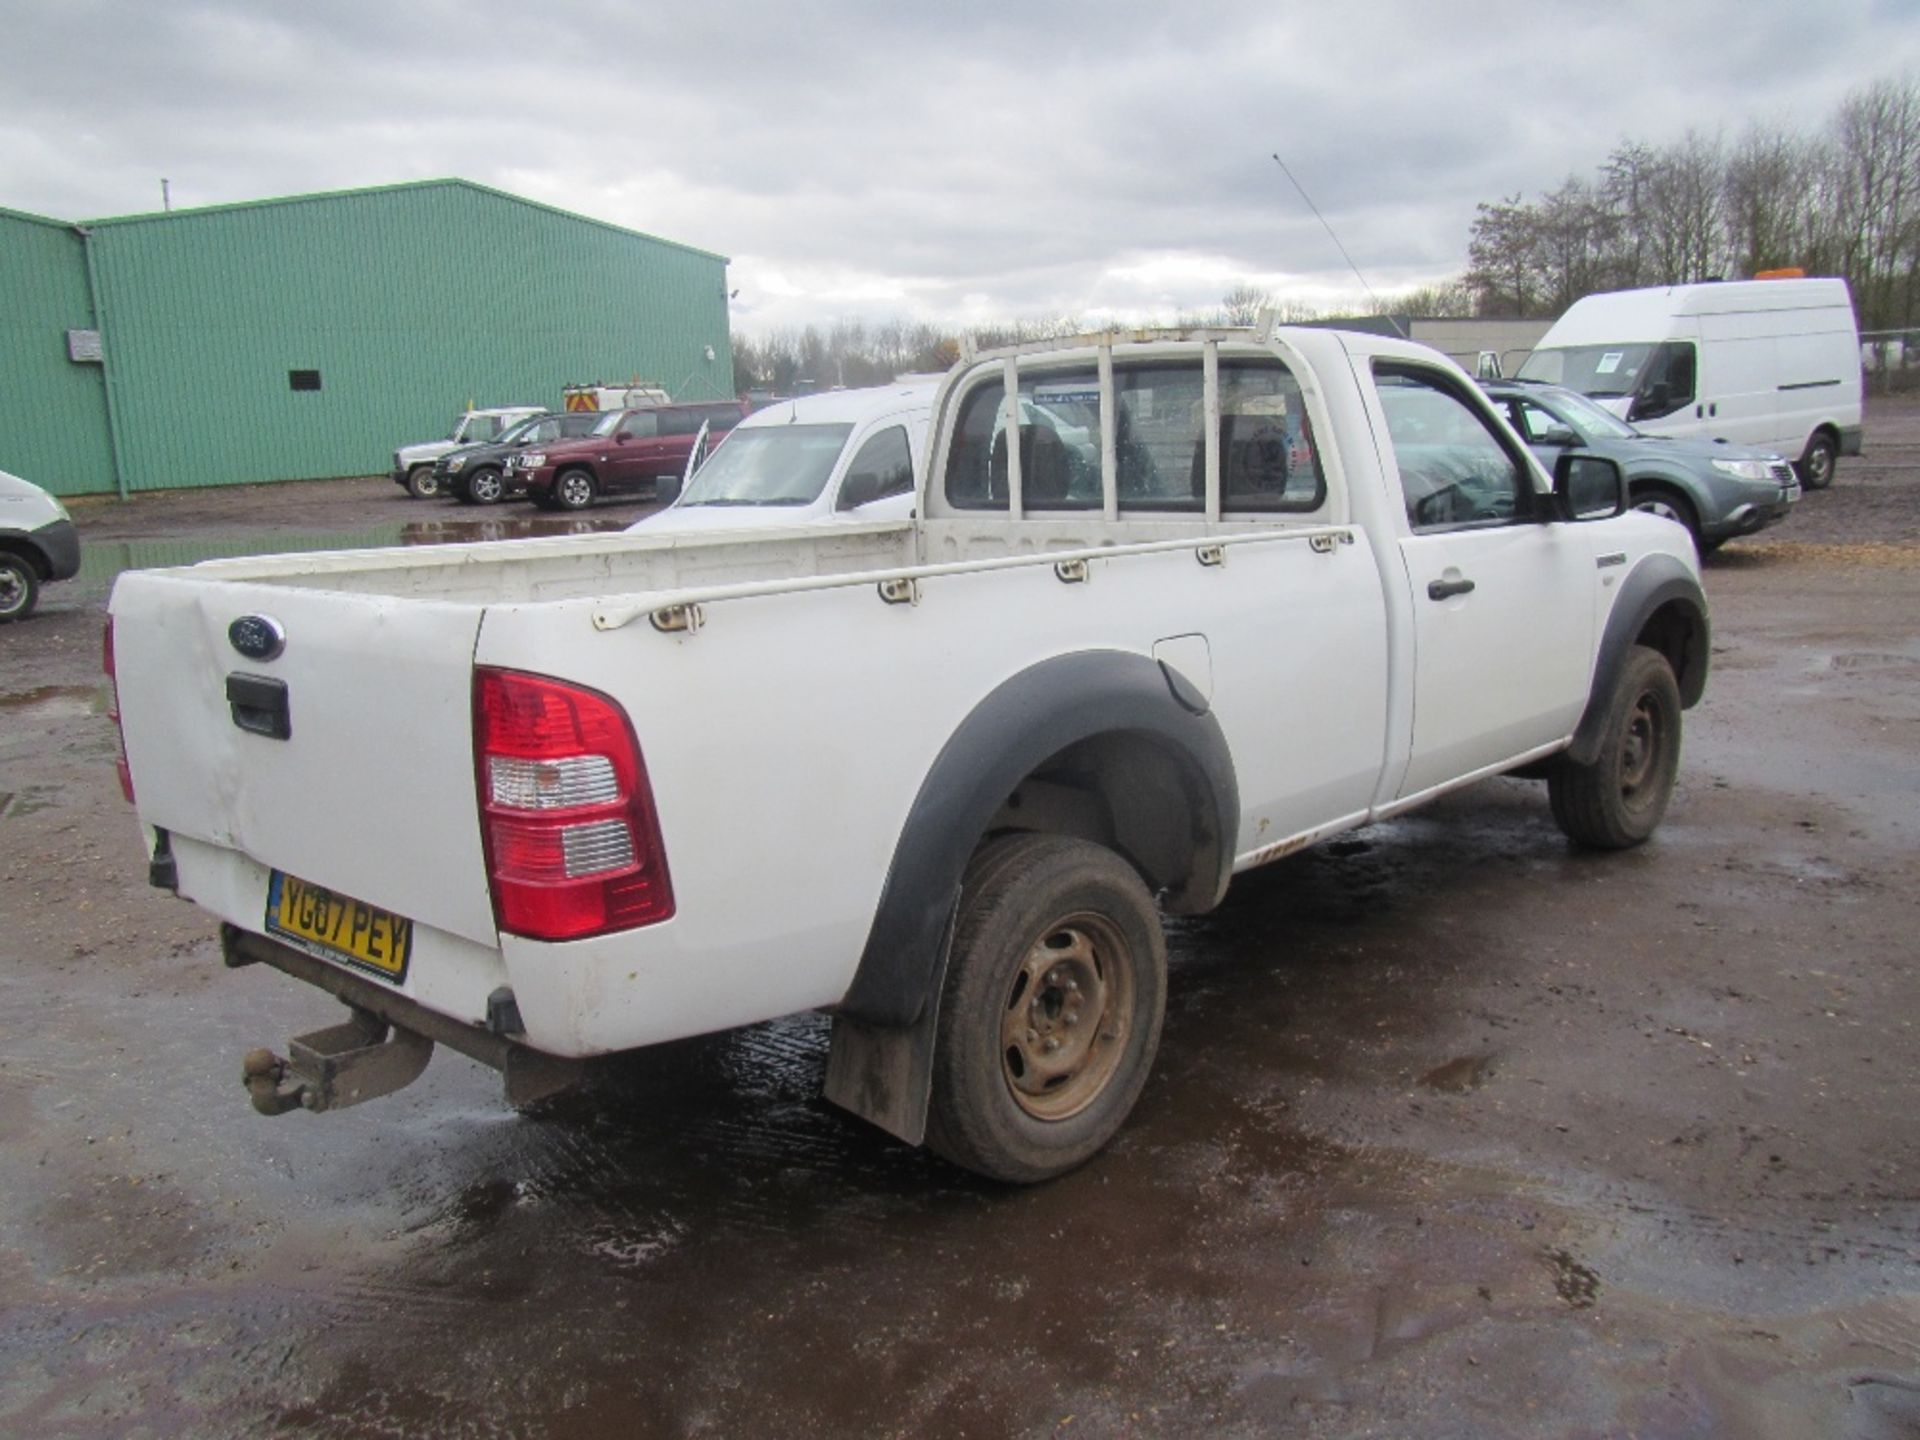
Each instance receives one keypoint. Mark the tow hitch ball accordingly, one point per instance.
(339, 1066)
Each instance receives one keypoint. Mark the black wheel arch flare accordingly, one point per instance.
(1660, 604)
(1011, 734)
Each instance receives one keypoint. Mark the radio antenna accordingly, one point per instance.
(1341, 248)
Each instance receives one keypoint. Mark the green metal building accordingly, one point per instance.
(157, 351)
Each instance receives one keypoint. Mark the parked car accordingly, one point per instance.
(1718, 491)
(941, 779)
(413, 464)
(845, 454)
(628, 453)
(474, 474)
(37, 543)
(1774, 363)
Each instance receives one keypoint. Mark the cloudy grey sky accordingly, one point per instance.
(947, 162)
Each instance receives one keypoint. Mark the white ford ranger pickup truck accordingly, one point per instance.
(1174, 605)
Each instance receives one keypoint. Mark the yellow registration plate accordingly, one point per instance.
(342, 927)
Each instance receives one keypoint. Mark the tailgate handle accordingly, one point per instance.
(259, 705)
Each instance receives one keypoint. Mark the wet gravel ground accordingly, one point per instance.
(1455, 1131)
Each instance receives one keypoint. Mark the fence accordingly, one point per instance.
(1890, 361)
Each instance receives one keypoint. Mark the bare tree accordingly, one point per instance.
(1681, 212)
(1772, 180)
(1243, 304)
(1877, 137)
(1502, 257)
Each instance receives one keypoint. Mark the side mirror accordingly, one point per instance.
(1559, 437)
(667, 489)
(1588, 487)
(858, 488)
(621, 437)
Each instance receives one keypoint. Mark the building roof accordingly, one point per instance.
(153, 216)
(33, 219)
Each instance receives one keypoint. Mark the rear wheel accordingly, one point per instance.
(421, 484)
(1817, 463)
(19, 587)
(1050, 1015)
(1618, 800)
(1669, 505)
(573, 490)
(482, 487)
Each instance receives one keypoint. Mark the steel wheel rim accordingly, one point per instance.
(1640, 748)
(1819, 466)
(13, 591)
(1068, 1016)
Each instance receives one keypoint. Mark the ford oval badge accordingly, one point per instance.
(258, 637)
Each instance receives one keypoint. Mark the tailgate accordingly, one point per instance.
(371, 793)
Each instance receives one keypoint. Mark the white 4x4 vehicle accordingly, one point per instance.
(413, 464)
(37, 543)
(938, 777)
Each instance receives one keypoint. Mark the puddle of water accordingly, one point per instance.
(54, 702)
(101, 561)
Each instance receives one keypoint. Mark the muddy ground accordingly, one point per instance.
(1455, 1131)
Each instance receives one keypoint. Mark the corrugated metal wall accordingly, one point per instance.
(53, 412)
(410, 301)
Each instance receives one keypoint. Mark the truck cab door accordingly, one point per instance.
(1502, 600)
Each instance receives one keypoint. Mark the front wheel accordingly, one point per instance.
(482, 487)
(573, 490)
(1618, 800)
(421, 484)
(19, 587)
(1670, 505)
(1050, 1014)
(1817, 463)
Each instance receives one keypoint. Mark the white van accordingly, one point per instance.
(841, 455)
(1773, 363)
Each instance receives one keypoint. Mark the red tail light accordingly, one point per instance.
(120, 765)
(566, 813)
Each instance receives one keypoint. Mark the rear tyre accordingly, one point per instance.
(1050, 1014)
(482, 487)
(421, 484)
(1618, 800)
(1670, 505)
(573, 490)
(1816, 465)
(19, 587)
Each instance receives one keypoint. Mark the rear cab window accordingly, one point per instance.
(1268, 462)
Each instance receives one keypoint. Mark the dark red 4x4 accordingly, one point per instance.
(628, 453)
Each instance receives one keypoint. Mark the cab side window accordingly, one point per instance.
(887, 456)
(1453, 469)
(641, 425)
(1668, 383)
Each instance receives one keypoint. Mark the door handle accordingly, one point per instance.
(1447, 589)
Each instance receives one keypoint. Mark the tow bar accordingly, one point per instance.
(382, 1046)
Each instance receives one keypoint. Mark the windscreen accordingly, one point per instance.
(769, 465)
(1590, 369)
(1590, 422)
